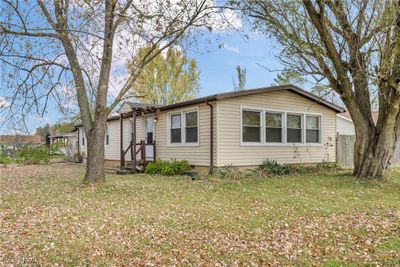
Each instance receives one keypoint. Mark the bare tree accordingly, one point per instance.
(52, 49)
(355, 47)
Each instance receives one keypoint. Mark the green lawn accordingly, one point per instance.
(48, 216)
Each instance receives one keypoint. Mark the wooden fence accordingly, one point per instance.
(345, 151)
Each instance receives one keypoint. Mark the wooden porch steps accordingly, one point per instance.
(129, 168)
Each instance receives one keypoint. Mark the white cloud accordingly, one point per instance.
(225, 21)
(231, 48)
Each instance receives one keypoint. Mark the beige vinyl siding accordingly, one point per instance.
(111, 152)
(231, 151)
(196, 154)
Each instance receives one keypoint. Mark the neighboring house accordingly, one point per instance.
(345, 125)
(12, 142)
(244, 128)
(68, 141)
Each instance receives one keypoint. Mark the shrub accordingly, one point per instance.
(5, 160)
(164, 167)
(229, 172)
(3, 150)
(55, 149)
(32, 155)
(272, 168)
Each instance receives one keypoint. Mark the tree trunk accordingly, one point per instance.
(373, 155)
(95, 154)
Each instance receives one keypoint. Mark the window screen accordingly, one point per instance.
(176, 128)
(251, 126)
(312, 129)
(294, 128)
(273, 127)
(191, 127)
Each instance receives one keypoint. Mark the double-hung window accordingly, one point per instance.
(251, 126)
(176, 131)
(294, 128)
(313, 129)
(191, 128)
(276, 127)
(273, 127)
(184, 128)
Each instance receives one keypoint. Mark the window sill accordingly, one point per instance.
(183, 145)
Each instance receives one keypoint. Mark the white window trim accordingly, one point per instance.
(319, 127)
(302, 120)
(283, 132)
(284, 124)
(262, 116)
(182, 112)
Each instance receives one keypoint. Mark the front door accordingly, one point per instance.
(149, 136)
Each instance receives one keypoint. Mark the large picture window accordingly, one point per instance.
(251, 123)
(294, 128)
(176, 132)
(273, 127)
(313, 129)
(191, 127)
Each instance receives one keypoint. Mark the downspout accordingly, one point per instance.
(211, 137)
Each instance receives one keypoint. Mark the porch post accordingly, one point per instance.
(121, 139)
(134, 161)
(143, 150)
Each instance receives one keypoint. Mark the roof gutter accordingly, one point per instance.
(211, 137)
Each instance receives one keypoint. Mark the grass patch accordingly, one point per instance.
(330, 219)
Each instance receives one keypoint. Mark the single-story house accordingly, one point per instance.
(244, 128)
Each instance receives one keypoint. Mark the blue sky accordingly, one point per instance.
(216, 66)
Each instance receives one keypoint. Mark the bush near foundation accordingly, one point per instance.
(168, 167)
